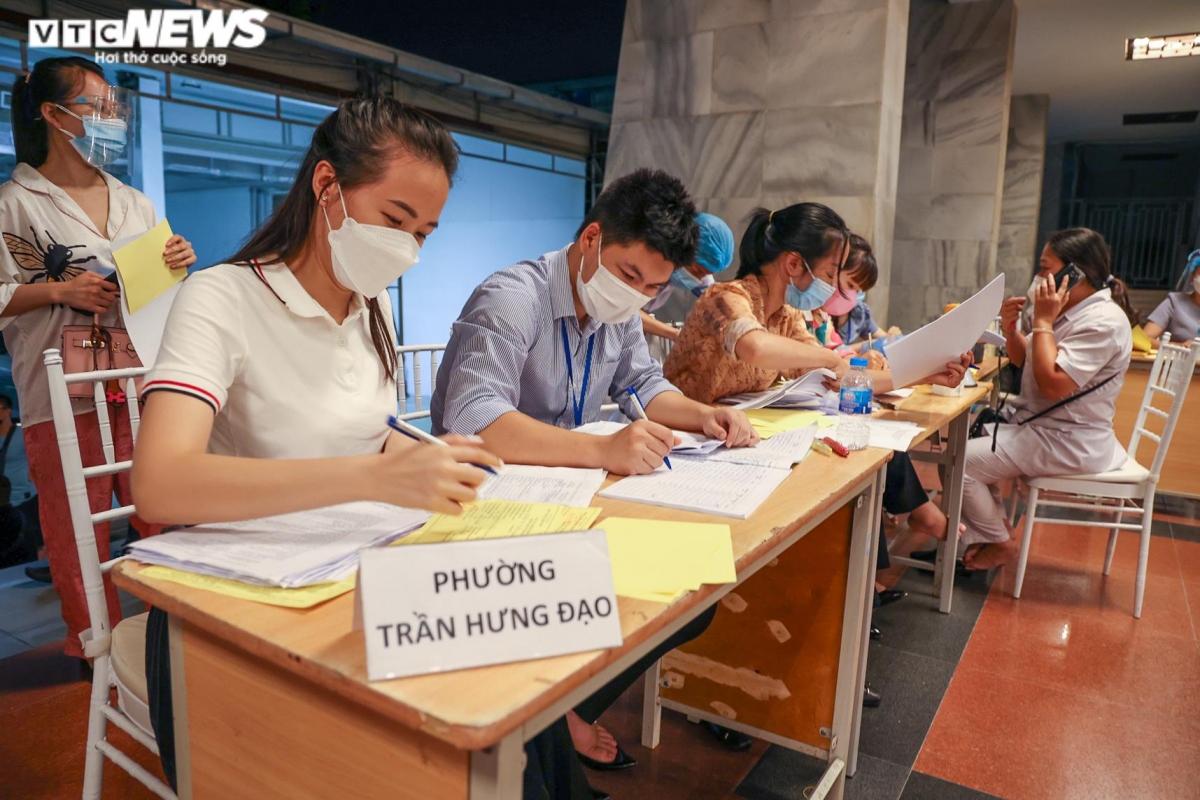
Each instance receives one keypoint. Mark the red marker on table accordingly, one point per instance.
(836, 446)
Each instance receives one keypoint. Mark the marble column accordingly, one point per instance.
(1020, 208)
(767, 103)
(953, 140)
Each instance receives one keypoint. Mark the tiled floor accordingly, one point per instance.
(1061, 694)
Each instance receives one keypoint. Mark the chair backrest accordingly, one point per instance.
(75, 474)
(1170, 376)
(411, 354)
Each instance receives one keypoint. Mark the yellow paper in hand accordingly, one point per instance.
(656, 560)
(304, 597)
(144, 272)
(770, 421)
(498, 519)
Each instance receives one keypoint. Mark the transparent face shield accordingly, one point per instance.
(107, 121)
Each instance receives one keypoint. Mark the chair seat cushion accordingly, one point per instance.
(1129, 472)
(129, 654)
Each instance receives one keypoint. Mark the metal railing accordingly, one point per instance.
(1149, 238)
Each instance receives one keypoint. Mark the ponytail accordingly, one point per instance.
(1120, 295)
(53, 80)
(810, 229)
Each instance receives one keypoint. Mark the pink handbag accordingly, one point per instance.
(92, 348)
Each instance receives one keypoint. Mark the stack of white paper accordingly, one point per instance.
(807, 391)
(289, 550)
(782, 451)
(704, 485)
(559, 486)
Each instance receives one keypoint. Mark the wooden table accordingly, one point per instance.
(1179, 468)
(274, 702)
(933, 413)
(766, 637)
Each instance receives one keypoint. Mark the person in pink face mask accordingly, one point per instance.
(844, 317)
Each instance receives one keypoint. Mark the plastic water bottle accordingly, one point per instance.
(854, 406)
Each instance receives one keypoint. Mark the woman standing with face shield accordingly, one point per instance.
(59, 215)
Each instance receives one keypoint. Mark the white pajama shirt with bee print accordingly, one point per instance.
(48, 237)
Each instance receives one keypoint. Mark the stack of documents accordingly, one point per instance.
(290, 550)
(773, 421)
(659, 561)
(499, 519)
(689, 443)
(701, 484)
(563, 486)
(782, 451)
(807, 391)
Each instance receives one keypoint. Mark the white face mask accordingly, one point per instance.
(606, 298)
(1196, 282)
(369, 258)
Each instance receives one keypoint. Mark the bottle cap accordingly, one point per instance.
(858, 362)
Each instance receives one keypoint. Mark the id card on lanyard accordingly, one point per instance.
(578, 401)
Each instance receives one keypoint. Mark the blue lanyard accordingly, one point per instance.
(578, 401)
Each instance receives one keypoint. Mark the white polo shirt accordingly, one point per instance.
(284, 379)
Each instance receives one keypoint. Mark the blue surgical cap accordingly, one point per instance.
(715, 249)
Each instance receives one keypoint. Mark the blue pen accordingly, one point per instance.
(641, 410)
(413, 432)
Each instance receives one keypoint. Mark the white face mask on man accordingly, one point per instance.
(606, 298)
(367, 259)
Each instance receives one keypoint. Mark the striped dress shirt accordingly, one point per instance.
(506, 354)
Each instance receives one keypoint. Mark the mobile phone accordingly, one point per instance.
(1074, 276)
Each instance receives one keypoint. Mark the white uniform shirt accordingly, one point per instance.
(1094, 342)
(45, 234)
(284, 379)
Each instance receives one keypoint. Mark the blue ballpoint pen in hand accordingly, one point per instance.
(413, 432)
(641, 410)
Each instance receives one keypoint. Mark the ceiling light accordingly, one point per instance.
(1172, 46)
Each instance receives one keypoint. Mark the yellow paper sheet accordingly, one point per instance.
(497, 519)
(144, 271)
(304, 597)
(770, 421)
(656, 560)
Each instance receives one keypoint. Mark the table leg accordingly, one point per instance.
(874, 514)
(497, 772)
(651, 708)
(852, 664)
(943, 586)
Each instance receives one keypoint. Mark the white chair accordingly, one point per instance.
(1118, 491)
(411, 354)
(118, 655)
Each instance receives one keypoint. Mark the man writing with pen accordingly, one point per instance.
(541, 345)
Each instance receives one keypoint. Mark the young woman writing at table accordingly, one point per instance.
(60, 214)
(277, 371)
(1080, 341)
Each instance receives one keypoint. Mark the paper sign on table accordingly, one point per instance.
(497, 519)
(144, 272)
(442, 607)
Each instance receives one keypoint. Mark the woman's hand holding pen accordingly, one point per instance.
(1010, 312)
(441, 479)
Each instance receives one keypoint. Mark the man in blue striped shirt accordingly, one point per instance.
(541, 345)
